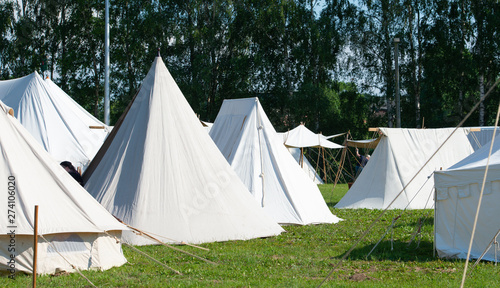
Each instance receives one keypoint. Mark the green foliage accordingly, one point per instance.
(301, 257)
(290, 54)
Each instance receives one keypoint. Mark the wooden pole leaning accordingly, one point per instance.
(35, 246)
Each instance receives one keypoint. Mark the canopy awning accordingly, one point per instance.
(300, 137)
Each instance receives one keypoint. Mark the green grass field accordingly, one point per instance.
(301, 257)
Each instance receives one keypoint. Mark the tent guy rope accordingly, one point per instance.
(148, 236)
(480, 199)
(70, 264)
(363, 235)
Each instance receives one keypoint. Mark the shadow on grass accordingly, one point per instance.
(400, 251)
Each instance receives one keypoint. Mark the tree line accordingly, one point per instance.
(329, 64)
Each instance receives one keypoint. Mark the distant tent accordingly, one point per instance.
(71, 220)
(56, 121)
(457, 197)
(479, 136)
(160, 172)
(256, 152)
(396, 160)
(306, 165)
(301, 137)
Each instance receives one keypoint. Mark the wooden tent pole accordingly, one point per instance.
(317, 162)
(35, 246)
(342, 160)
(324, 165)
(301, 157)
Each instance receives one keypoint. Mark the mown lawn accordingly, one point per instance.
(302, 257)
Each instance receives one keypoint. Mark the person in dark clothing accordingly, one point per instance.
(362, 161)
(72, 171)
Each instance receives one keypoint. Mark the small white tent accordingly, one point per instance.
(57, 122)
(305, 165)
(160, 172)
(399, 155)
(457, 196)
(256, 152)
(74, 224)
(301, 137)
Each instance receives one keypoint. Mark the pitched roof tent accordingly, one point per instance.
(256, 152)
(56, 121)
(69, 218)
(300, 137)
(160, 172)
(398, 157)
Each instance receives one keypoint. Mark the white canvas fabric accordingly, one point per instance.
(300, 137)
(457, 193)
(160, 172)
(207, 125)
(479, 136)
(398, 157)
(306, 166)
(56, 121)
(256, 152)
(69, 217)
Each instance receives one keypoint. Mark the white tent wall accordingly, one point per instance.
(457, 196)
(479, 136)
(160, 172)
(56, 121)
(70, 109)
(68, 215)
(247, 139)
(306, 166)
(399, 155)
(85, 251)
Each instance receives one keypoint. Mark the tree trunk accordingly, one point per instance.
(481, 95)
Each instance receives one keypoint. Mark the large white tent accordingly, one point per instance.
(399, 155)
(75, 225)
(160, 172)
(58, 123)
(457, 196)
(256, 152)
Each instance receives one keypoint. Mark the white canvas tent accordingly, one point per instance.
(457, 196)
(160, 172)
(57, 122)
(71, 220)
(306, 166)
(480, 136)
(398, 157)
(301, 137)
(256, 152)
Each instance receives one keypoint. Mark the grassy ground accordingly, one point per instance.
(302, 257)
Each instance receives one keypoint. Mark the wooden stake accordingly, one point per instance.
(35, 246)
